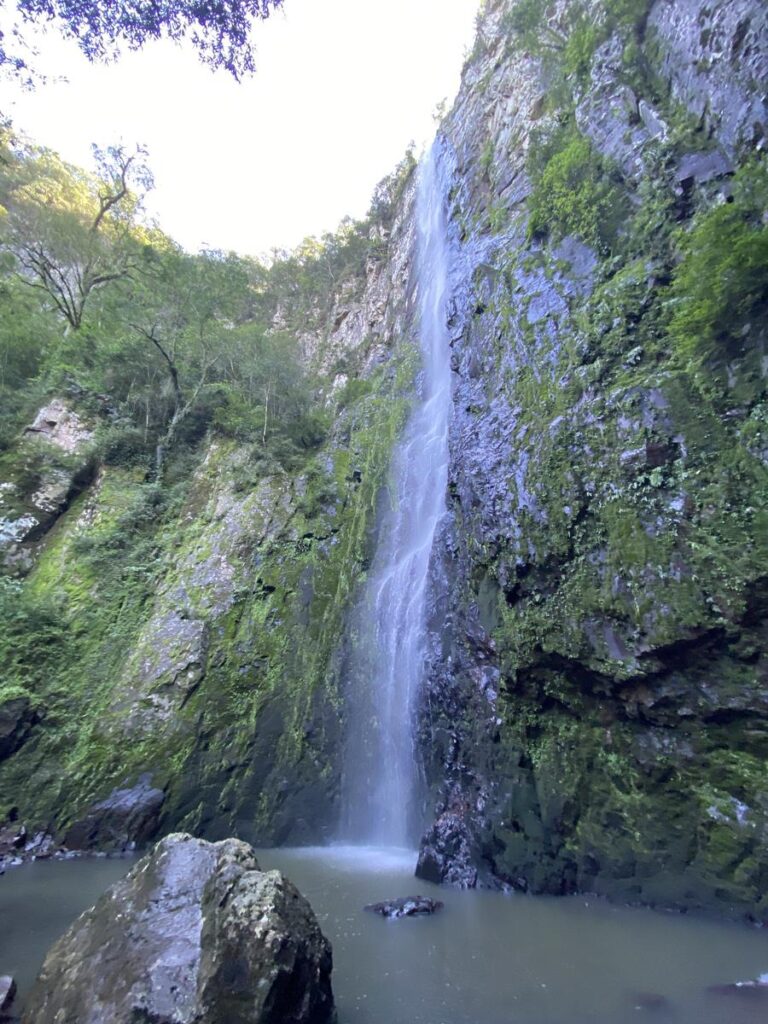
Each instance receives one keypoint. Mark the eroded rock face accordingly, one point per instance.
(715, 56)
(195, 934)
(61, 425)
(125, 817)
(53, 465)
(594, 710)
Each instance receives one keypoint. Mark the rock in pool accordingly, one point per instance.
(7, 995)
(755, 989)
(408, 906)
(651, 1001)
(196, 933)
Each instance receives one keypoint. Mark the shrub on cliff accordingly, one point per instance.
(720, 292)
(573, 192)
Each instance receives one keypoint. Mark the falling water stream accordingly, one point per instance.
(389, 631)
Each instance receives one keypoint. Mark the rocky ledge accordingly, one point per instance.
(196, 933)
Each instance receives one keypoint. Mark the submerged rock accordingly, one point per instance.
(7, 994)
(406, 906)
(195, 934)
(652, 1001)
(754, 989)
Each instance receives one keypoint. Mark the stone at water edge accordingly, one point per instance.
(127, 816)
(756, 988)
(7, 994)
(196, 933)
(407, 906)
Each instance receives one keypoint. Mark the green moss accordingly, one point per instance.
(720, 292)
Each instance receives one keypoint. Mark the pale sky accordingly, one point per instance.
(340, 89)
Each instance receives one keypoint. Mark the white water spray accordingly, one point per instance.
(387, 665)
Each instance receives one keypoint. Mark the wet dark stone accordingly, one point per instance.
(446, 853)
(407, 906)
(125, 817)
(652, 1001)
(196, 933)
(7, 995)
(752, 990)
(16, 719)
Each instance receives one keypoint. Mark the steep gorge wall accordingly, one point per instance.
(596, 715)
(191, 631)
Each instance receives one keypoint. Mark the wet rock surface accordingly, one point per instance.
(588, 686)
(195, 934)
(7, 996)
(405, 906)
(17, 717)
(125, 818)
(714, 56)
(446, 853)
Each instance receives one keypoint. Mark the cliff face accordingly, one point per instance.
(595, 717)
(595, 714)
(175, 647)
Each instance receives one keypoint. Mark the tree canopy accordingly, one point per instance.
(162, 346)
(219, 30)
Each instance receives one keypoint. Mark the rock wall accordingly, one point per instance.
(595, 715)
(195, 628)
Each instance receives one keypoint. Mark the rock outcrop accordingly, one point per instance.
(195, 934)
(7, 996)
(16, 719)
(122, 820)
(595, 716)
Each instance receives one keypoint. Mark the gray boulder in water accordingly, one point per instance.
(196, 933)
(407, 906)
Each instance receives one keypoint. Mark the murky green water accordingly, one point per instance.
(39, 901)
(492, 959)
(484, 959)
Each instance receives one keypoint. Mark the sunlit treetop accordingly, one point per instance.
(220, 30)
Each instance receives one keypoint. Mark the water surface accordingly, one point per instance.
(484, 959)
(39, 901)
(487, 958)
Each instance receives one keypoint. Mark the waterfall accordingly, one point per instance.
(389, 629)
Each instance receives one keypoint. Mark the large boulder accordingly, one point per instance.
(126, 817)
(196, 933)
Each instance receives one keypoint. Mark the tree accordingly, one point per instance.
(71, 233)
(184, 308)
(219, 30)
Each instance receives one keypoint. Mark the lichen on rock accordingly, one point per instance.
(196, 933)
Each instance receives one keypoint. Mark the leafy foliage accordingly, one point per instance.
(220, 32)
(569, 43)
(72, 233)
(160, 345)
(33, 637)
(573, 192)
(720, 291)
